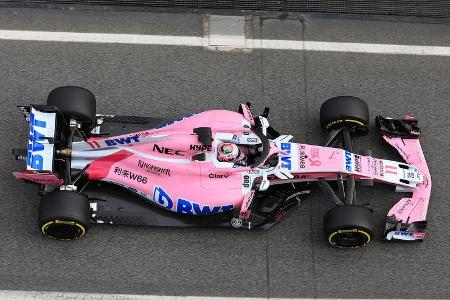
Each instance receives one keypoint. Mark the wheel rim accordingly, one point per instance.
(349, 238)
(63, 230)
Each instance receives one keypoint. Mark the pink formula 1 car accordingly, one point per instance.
(215, 168)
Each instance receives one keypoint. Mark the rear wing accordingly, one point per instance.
(406, 220)
(41, 135)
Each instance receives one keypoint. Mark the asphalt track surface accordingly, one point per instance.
(289, 260)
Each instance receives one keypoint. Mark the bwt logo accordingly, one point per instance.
(35, 161)
(348, 161)
(123, 141)
(286, 160)
(184, 206)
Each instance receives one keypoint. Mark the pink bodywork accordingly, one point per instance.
(163, 171)
(159, 165)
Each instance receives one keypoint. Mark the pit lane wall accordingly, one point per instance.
(423, 8)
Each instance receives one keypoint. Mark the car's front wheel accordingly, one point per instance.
(349, 226)
(348, 111)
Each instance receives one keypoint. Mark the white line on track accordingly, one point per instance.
(193, 41)
(34, 295)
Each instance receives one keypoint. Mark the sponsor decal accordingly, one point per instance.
(25, 110)
(348, 161)
(402, 152)
(314, 159)
(168, 151)
(410, 174)
(201, 148)
(143, 133)
(403, 234)
(381, 168)
(123, 141)
(401, 209)
(253, 172)
(249, 114)
(302, 157)
(286, 159)
(373, 164)
(249, 199)
(246, 181)
(213, 176)
(130, 175)
(315, 152)
(252, 140)
(334, 155)
(390, 170)
(358, 166)
(235, 139)
(148, 167)
(36, 160)
(185, 206)
(245, 214)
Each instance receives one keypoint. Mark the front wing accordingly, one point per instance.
(406, 220)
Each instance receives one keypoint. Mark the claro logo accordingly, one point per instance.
(218, 176)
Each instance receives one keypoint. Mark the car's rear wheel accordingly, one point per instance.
(348, 226)
(64, 215)
(345, 111)
(75, 103)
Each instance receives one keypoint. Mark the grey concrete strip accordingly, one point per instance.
(74, 20)
(34, 295)
(374, 31)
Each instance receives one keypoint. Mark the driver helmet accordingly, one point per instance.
(228, 152)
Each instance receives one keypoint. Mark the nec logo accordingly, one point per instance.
(122, 141)
(286, 160)
(168, 151)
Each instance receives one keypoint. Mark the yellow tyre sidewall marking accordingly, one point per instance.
(73, 223)
(345, 120)
(330, 237)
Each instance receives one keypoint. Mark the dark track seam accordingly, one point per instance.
(262, 100)
(306, 136)
(267, 266)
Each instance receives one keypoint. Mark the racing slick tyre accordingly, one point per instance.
(345, 111)
(64, 215)
(348, 226)
(75, 103)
